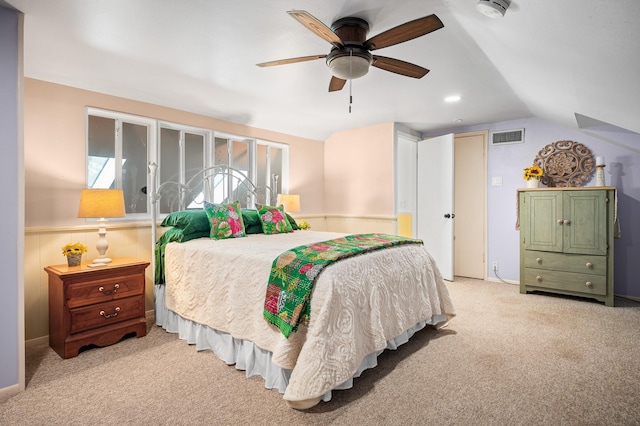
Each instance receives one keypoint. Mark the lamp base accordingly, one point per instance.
(99, 261)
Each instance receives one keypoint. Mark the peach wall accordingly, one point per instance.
(55, 149)
(54, 146)
(358, 171)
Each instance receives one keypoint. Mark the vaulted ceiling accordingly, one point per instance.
(546, 58)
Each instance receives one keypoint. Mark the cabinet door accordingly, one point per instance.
(540, 213)
(585, 222)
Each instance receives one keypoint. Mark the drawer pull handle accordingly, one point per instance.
(589, 265)
(589, 284)
(115, 314)
(115, 289)
(539, 261)
(539, 278)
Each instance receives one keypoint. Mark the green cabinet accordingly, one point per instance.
(566, 241)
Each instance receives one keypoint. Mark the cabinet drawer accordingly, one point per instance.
(579, 263)
(567, 281)
(88, 317)
(102, 290)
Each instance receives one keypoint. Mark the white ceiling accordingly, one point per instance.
(544, 58)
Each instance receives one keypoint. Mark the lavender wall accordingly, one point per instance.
(621, 150)
(9, 240)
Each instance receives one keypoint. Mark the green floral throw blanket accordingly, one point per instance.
(294, 272)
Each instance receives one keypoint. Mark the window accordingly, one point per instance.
(117, 155)
(270, 169)
(182, 153)
(120, 147)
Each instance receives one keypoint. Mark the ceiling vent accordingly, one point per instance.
(507, 137)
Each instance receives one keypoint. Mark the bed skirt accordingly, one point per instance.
(253, 360)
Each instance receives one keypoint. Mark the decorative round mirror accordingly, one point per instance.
(565, 164)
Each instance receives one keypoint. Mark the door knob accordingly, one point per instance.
(449, 216)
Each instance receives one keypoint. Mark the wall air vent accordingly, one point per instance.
(505, 137)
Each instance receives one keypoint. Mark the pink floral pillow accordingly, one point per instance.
(226, 220)
(274, 220)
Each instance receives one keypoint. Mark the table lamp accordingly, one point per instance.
(291, 202)
(101, 204)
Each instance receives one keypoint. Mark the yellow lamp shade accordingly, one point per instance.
(291, 202)
(101, 203)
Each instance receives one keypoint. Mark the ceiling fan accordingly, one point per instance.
(350, 56)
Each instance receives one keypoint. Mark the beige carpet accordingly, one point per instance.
(506, 359)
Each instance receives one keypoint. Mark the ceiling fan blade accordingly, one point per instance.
(405, 32)
(399, 67)
(316, 26)
(291, 60)
(336, 84)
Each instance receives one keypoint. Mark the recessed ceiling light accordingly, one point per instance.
(453, 98)
(458, 120)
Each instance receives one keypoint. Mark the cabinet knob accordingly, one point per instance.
(539, 261)
(560, 221)
(589, 284)
(539, 278)
(567, 222)
(589, 265)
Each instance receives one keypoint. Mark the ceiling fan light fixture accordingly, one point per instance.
(349, 66)
(493, 8)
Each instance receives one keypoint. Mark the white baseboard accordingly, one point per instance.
(42, 340)
(9, 391)
(498, 280)
(635, 299)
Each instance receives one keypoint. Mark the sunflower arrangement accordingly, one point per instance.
(75, 248)
(533, 172)
(303, 224)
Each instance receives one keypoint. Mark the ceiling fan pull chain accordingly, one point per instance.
(350, 80)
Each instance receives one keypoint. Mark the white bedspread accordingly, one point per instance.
(357, 304)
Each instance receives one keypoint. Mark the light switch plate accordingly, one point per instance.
(496, 181)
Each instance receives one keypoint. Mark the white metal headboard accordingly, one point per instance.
(216, 184)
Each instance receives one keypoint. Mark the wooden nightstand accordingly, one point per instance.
(96, 306)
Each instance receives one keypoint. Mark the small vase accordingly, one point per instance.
(533, 183)
(74, 259)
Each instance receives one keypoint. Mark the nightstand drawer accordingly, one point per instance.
(103, 314)
(567, 281)
(579, 263)
(102, 290)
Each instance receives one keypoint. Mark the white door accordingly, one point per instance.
(434, 213)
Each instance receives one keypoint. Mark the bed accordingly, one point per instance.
(212, 292)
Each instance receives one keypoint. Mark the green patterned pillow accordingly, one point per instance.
(226, 220)
(274, 220)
